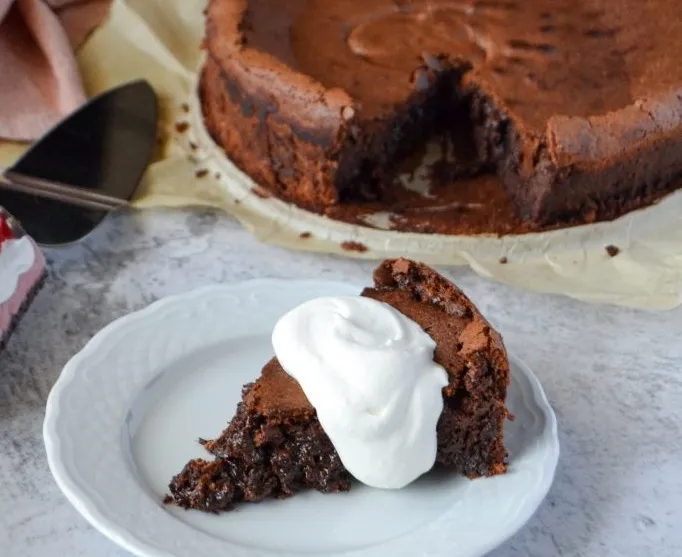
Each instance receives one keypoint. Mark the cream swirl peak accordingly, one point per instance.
(368, 371)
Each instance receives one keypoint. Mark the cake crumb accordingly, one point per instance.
(612, 250)
(181, 127)
(260, 193)
(167, 500)
(504, 260)
(184, 107)
(201, 173)
(192, 145)
(354, 246)
(305, 235)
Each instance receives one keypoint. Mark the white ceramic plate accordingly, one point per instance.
(126, 413)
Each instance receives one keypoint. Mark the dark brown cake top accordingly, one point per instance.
(276, 393)
(539, 58)
(432, 290)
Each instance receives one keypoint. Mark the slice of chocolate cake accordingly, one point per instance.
(276, 447)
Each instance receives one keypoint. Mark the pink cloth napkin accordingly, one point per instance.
(39, 78)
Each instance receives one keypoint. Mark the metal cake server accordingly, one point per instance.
(86, 166)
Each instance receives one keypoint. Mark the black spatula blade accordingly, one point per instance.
(104, 146)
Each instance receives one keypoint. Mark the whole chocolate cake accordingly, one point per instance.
(275, 446)
(575, 105)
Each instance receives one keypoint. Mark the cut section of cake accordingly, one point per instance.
(22, 270)
(576, 107)
(276, 446)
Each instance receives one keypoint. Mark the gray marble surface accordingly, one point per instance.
(613, 376)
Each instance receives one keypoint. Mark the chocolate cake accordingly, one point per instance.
(275, 446)
(575, 106)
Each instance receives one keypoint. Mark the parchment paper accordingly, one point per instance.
(160, 40)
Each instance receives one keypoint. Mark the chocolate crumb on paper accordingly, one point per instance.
(201, 173)
(504, 260)
(305, 235)
(184, 107)
(612, 250)
(181, 127)
(260, 192)
(354, 246)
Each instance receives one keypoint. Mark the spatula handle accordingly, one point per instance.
(57, 191)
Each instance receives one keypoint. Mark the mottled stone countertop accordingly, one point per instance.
(614, 377)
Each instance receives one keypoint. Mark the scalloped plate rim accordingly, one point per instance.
(90, 510)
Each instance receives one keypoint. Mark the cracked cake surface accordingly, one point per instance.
(576, 107)
(274, 445)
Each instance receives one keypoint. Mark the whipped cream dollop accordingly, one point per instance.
(368, 371)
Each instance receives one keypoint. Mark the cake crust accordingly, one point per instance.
(275, 446)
